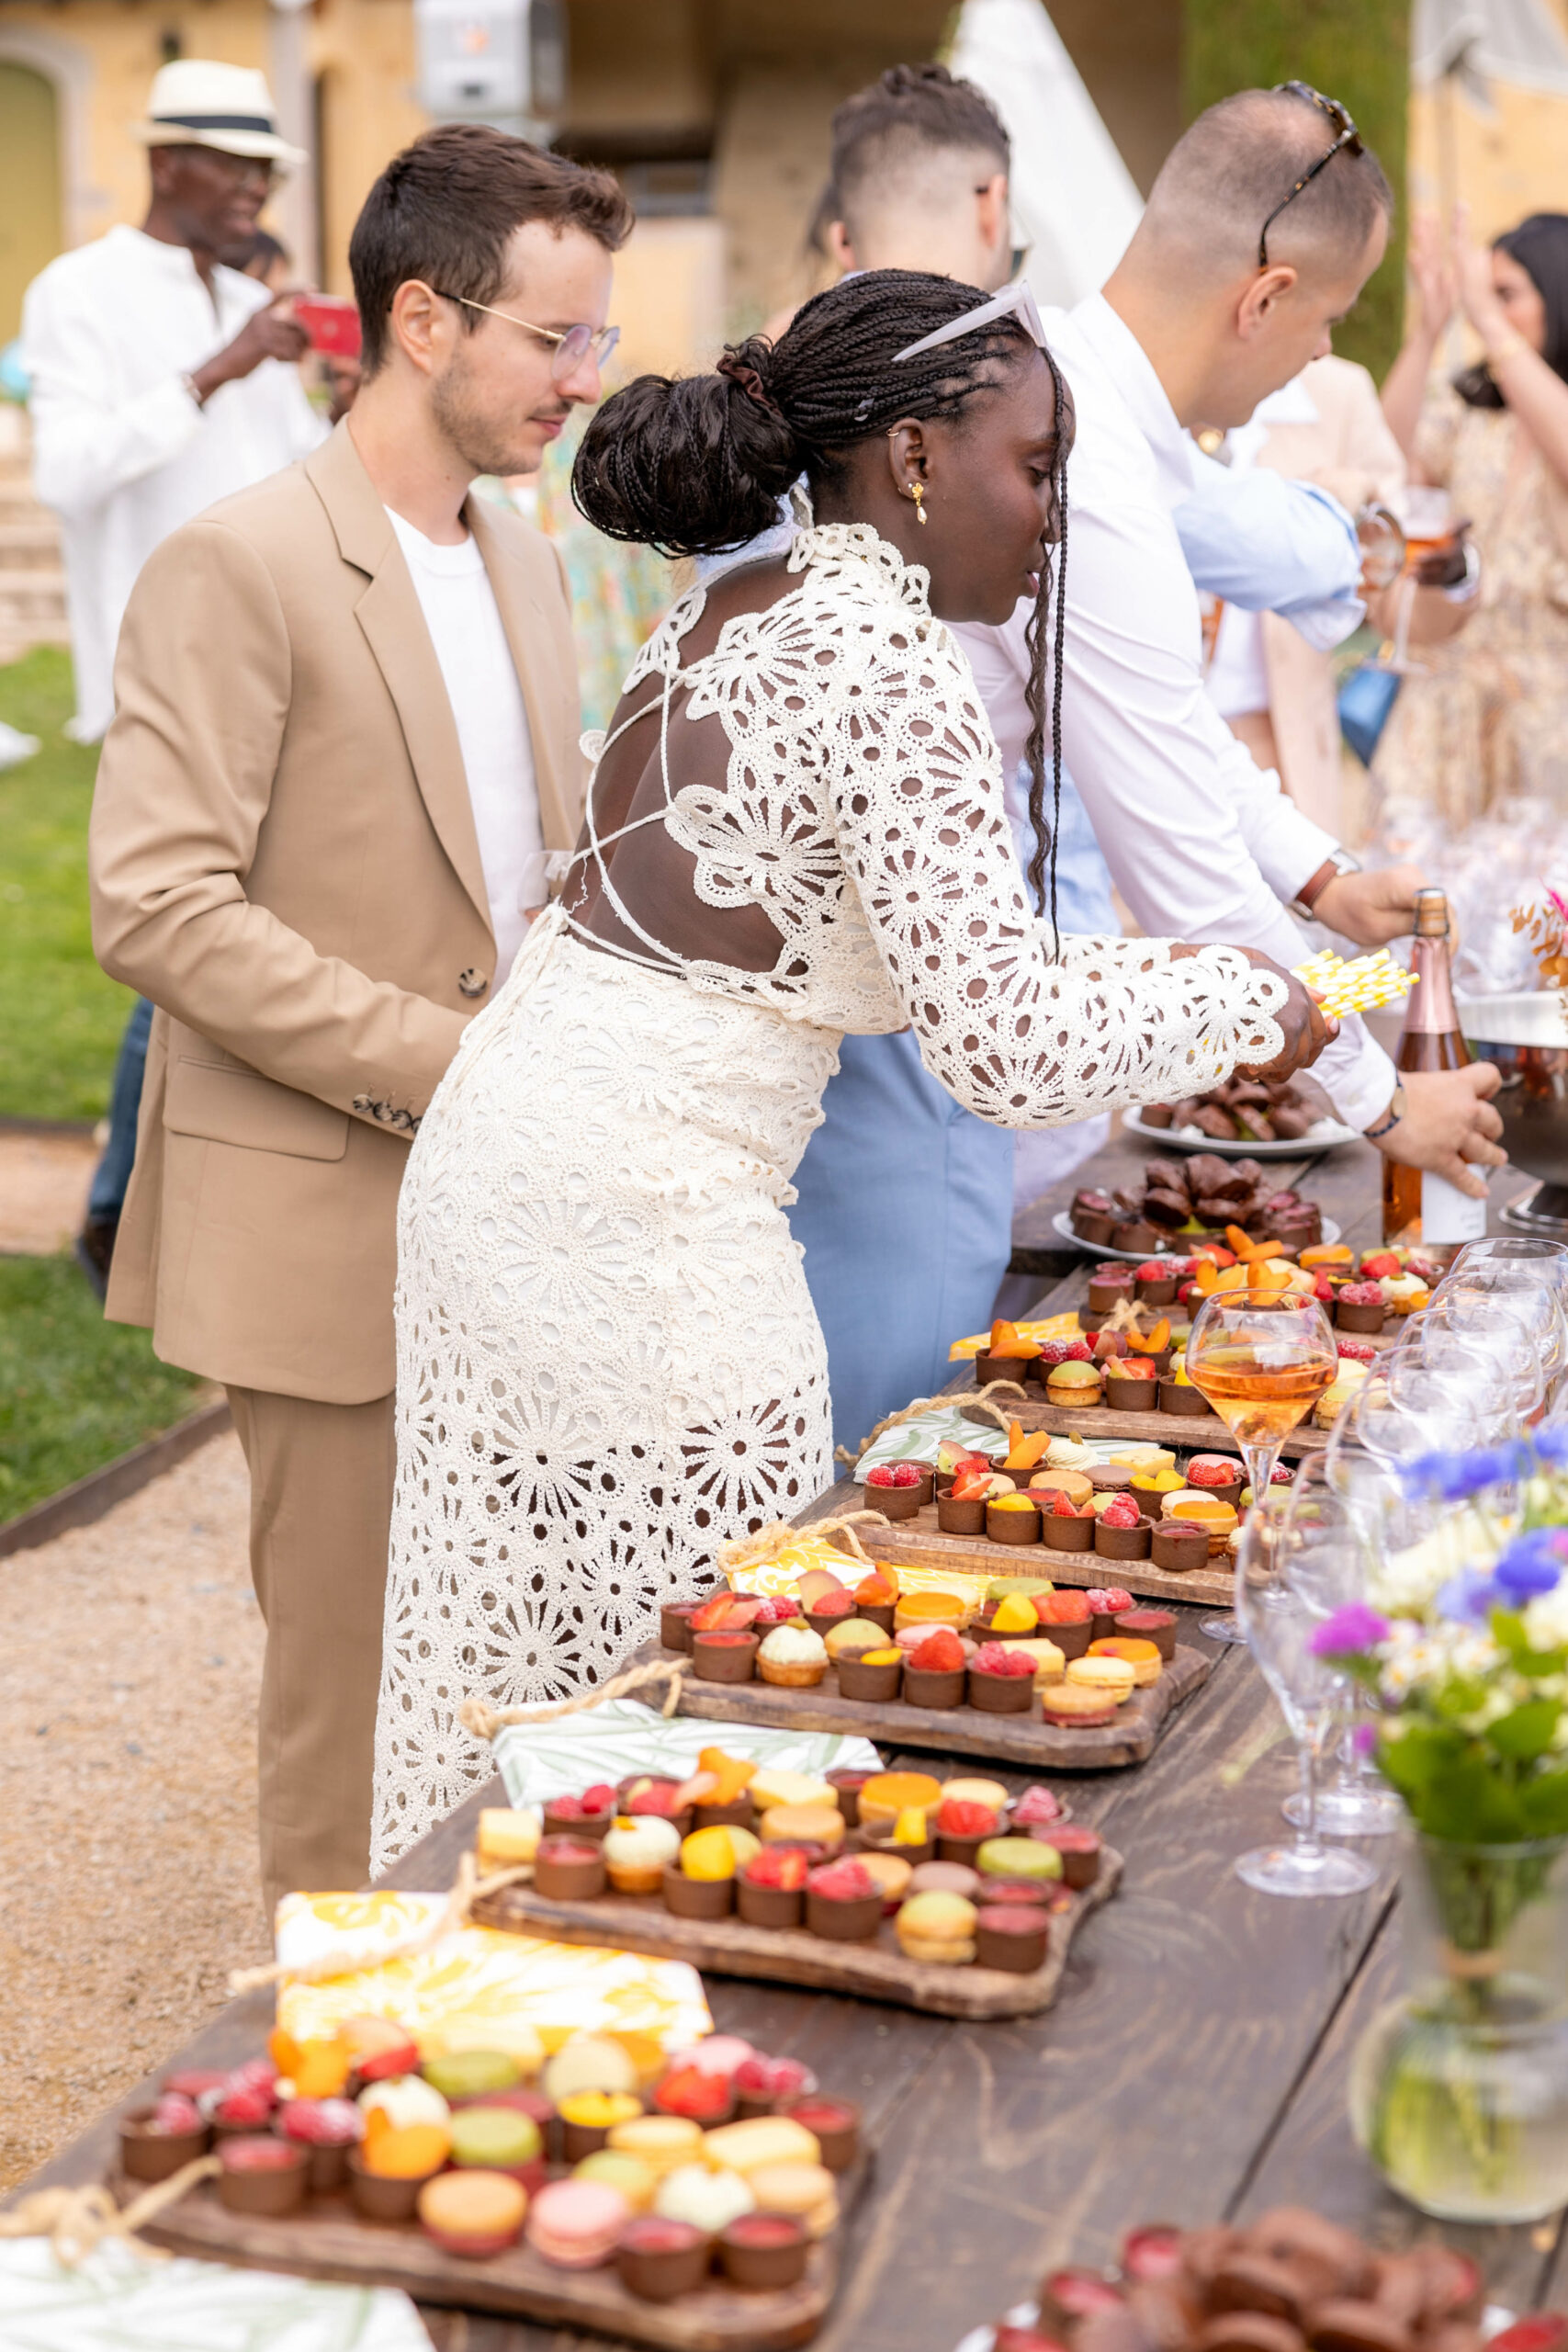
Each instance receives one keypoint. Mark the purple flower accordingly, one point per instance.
(1532, 1565)
(1354, 1627)
(1364, 1738)
(1552, 1445)
(1469, 1597)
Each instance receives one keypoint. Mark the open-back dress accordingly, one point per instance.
(607, 1358)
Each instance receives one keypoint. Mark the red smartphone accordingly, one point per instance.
(332, 321)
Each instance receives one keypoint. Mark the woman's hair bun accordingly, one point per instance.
(691, 465)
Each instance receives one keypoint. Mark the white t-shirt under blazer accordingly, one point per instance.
(461, 614)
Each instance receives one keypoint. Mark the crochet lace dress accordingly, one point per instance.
(607, 1358)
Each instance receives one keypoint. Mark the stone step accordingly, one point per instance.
(29, 543)
(31, 595)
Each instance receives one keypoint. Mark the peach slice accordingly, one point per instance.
(815, 1585)
(1158, 1339)
(726, 1612)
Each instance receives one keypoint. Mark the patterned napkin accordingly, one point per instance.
(540, 1761)
(117, 2300)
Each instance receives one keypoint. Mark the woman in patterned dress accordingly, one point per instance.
(608, 1362)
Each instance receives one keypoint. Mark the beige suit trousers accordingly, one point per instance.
(321, 1510)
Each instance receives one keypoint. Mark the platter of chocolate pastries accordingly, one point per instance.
(1174, 1202)
(1274, 1122)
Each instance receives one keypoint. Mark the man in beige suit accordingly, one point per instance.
(344, 753)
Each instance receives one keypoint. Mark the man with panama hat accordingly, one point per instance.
(160, 380)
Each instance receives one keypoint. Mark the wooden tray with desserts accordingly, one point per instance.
(712, 2267)
(919, 1543)
(958, 1897)
(1026, 1742)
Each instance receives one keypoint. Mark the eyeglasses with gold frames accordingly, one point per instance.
(1349, 138)
(572, 344)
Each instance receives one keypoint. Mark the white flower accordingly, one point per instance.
(1405, 1584)
(1546, 1618)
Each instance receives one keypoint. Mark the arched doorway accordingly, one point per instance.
(31, 214)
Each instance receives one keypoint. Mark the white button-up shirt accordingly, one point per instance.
(120, 450)
(1201, 843)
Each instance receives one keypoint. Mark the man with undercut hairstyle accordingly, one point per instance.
(344, 759)
(920, 179)
(1267, 219)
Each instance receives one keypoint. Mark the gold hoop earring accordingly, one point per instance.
(918, 492)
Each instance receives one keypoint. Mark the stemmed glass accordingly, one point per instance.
(1345, 1492)
(1262, 1359)
(1295, 1564)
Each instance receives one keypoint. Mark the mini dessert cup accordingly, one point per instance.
(1109, 1286)
(882, 1843)
(588, 1825)
(1158, 1290)
(893, 1502)
(1013, 1526)
(770, 1906)
(659, 2259)
(1179, 1396)
(854, 1922)
(876, 1685)
(1179, 1548)
(725, 1657)
(1352, 1314)
(846, 1787)
(833, 2122)
(569, 1870)
(1080, 1849)
(1133, 1395)
(925, 1688)
(741, 1815)
(763, 2251)
(148, 2156)
(580, 2140)
(262, 2175)
(999, 1694)
(1229, 1493)
(960, 1518)
(675, 1623)
(878, 1612)
(697, 1898)
(1014, 1937)
(962, 1851)
(378, 2197)
(989, 1367)
(823, 1622)
(927, 1477)
(1122, 1543)
(1062, 1535)
(1071, 1640)
(1157, 1625)
(794, 1675)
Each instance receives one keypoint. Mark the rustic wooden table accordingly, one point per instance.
(1193, 2067)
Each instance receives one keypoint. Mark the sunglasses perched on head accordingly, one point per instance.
(1348, 137)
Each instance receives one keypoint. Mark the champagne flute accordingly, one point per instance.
(1262, 1359)
(1338, 1496)
(1290, 1567)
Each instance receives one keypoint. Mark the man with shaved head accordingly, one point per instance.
(1268, 218)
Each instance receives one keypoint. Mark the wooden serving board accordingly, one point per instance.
(1201, 1432)
(877, 1972)
(328, 2239)
(921, 1543)
(1022, 1741)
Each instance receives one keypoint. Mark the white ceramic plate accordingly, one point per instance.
(1060, 1224)
(1325, 1137)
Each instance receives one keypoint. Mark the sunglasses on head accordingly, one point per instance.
(1014, 301)
(1348, 137)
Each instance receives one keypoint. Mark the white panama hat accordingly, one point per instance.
(195, 103)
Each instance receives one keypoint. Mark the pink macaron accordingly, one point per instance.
(575, 2223)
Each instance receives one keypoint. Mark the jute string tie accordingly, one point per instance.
(761, 1550)
(75, 2220)
(346, 1960)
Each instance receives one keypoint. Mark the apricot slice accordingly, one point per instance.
(1008, 1340)
(726, 1612)
(1158, 1338)
(730, 1774)
(1025, 1452)
(816, 1584)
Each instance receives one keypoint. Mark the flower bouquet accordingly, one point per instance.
(1460, 2089)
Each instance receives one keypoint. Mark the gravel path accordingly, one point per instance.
(43, 1190)
(129, 1672)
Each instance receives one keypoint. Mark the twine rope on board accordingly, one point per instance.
(985, 1402)
(484, 1721)
(761, 1550)
(77, 2220)
(347, 1960)
(888, 1421)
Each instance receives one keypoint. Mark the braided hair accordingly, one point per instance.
(697, 465)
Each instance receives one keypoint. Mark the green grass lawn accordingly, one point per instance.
(60, 1018)
(74, 1391)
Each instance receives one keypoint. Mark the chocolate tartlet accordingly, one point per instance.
(1062, 1534)
(1179, 1548)
(659, 2259)
(1122, 1543)
(1180, 1396)
(873, 1685)
(725, 1657)
(569, 1870)
(697, 1898)
(1013, 1526)
(1157, 1625)
(1014, 1937)
(928, 1687)
(1128, 1394)
(960, 1518)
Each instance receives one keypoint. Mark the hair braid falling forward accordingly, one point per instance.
(1034, 695)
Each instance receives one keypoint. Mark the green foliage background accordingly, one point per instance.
(1356, 51)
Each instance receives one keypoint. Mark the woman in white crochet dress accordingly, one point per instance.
(608, 1362)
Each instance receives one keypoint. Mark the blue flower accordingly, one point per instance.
(1552, 1445)
(1469, 1597)
(1532, 1565)
(1455, 1478)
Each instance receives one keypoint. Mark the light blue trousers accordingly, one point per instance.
(906, 1199)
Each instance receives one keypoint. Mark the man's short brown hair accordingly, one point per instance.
(912, 112)
(445, 211)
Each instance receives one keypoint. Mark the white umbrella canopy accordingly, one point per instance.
(1518, 42)
(1075, 203)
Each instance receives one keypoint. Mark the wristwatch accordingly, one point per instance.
(194, 389)
(1338, 861)
(1390, 1117)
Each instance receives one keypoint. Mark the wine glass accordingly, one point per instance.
(1291, 1567)
(1262, 1359)
(1339, 1497)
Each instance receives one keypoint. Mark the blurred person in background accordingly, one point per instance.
(163, 378)
(1489, 719)
(262, 256)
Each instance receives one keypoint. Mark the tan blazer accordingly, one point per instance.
(283, 857)
(1349, 452)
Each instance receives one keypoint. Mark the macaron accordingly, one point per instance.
(636, 2181)
(1018, 1858)
(662, 2142)
(807, 2192)
(590, 2061)
(804, 1824)
(936, 1926)
(1144, 1657)
(760, 2140)
(1115, 1677)
(988, 1793)
(469, 2074)
(857, 1634)
(710, 2201)
(475, 2214)
(494, 2139)
(944, 1878)
(575, 2223)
